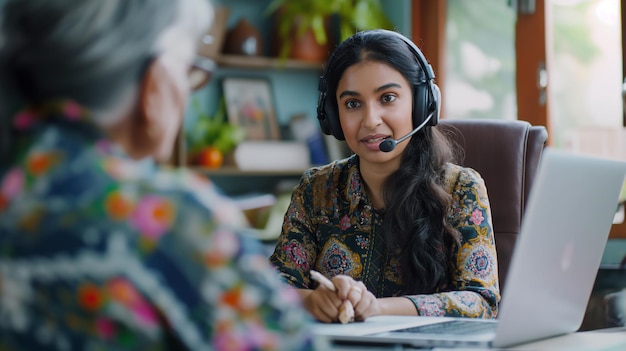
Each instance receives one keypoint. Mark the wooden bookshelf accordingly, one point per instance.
(234, 171)
(262, 62)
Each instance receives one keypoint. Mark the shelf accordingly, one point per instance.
(233, 181)
(236, 172)
(258, 62)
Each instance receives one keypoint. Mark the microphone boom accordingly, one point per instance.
(389, 144)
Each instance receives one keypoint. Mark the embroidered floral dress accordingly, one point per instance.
(101, 252)
(331, 227)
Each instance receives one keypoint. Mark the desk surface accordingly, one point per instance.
(613, 339)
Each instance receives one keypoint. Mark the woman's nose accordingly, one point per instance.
(371, 116)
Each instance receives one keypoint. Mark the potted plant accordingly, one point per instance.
(212, 137)
(302, 21)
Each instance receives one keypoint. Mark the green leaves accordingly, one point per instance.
(214, 130)
(228, 136)
(298, 16)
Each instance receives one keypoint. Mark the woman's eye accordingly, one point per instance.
(352, 104)
(388, 98)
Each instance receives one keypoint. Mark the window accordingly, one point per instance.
(585, 76)
(480, 60)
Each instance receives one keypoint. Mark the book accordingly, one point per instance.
(272, 155)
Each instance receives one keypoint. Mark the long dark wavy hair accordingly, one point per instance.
(416, 203)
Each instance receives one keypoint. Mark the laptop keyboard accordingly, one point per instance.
(452, 327)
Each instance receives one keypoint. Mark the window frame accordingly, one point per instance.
(428, 27)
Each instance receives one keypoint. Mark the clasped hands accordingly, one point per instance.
(343, 301)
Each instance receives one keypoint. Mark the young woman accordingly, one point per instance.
(99, 248)
(398, 226)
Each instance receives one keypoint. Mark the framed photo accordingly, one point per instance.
(249, 104)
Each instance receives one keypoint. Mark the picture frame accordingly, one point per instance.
(249, 104)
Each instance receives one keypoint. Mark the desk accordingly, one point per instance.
(612, 339)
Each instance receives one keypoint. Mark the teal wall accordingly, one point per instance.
(614, 252)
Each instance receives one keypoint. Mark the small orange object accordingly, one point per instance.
(210, 157)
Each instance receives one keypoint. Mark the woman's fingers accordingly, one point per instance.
(346, 312)
(363, 309)
(324, 305)
(345, 286)
(355, 292)
(363, 303)
(350, 301)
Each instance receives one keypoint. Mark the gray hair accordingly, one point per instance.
(90, 51)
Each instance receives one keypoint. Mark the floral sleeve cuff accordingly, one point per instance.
(417, 302)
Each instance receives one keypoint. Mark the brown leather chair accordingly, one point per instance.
(506, 154)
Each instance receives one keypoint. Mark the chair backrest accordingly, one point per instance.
(507, 155)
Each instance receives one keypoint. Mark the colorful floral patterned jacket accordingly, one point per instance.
(331, 227)
(101, 252)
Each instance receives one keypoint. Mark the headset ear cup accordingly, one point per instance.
(426, 101)
(327, 115)
(435, 104)
(332, 117)
(420, 104)
(322, 117)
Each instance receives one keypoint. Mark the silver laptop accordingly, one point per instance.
(565, 228)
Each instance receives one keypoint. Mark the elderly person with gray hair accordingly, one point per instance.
(99, 248)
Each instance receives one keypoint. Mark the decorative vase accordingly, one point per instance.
(303, 47)
(306, 48)
(244, 39)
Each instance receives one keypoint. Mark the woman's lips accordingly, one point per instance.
(372, 142)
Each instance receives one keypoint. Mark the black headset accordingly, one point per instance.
(426, 94)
